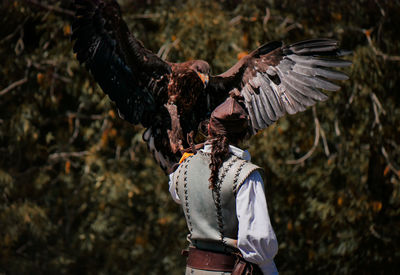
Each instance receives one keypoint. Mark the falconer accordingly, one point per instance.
(222, 196)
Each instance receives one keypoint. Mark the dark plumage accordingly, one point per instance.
(172, 100)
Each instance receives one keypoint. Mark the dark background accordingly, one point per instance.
(80, 193)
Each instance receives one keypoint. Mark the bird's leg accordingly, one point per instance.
(175, 134)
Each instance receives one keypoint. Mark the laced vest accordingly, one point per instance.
(211, 214)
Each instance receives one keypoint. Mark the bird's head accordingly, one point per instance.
(202, 69)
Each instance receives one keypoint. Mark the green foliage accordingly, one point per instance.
(80, 193)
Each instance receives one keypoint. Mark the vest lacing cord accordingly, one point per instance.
(236, 178)
(217, 200)
(185, 164)
(177, 178)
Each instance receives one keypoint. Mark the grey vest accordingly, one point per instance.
(211, 214)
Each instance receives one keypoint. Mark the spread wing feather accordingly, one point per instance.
(276, 79)
(133, 77)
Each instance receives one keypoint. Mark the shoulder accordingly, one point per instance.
(193, 166)
(244, 170)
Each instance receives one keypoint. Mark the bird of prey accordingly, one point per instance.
(173, 101)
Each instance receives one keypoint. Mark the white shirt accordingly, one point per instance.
(256, 237)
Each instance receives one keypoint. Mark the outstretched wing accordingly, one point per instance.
(276, 79)
(132, 76)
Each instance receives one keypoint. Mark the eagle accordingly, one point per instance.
(173, 101)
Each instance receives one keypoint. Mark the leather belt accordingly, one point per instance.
(209, 260)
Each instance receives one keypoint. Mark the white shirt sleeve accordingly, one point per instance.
(172, 189)
(256, 237)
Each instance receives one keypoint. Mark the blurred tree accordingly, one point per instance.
(80, 194)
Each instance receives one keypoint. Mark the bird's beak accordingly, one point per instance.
(204, 78)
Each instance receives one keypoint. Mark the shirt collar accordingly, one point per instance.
(243, 154)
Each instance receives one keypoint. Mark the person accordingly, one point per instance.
(222, 196)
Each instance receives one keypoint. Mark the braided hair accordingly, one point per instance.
(219, 152)
(228, 125)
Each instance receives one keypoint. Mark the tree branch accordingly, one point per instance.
(82, 116)
(377, 51)
(378, 109)
(64, 155)
(235, 20)
(11, 35)
(266, 19)
(377, 235)
(316, 141)
(52, 8)
(337, 129)
(390, 164)
(77, 124)
(324, 142)
(164, 50)
(13, 85)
